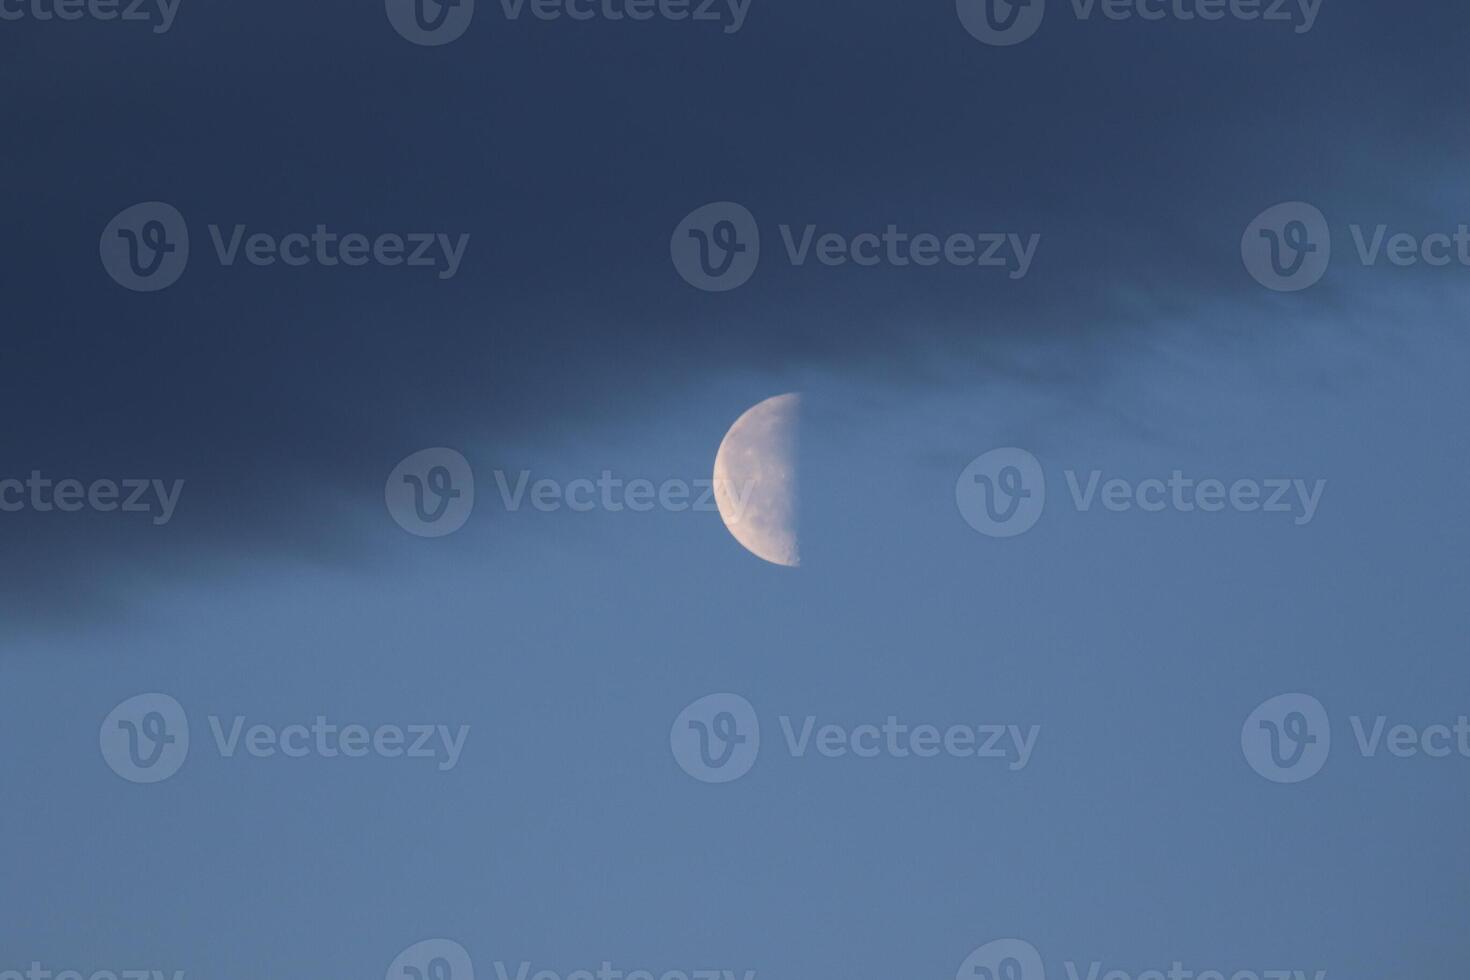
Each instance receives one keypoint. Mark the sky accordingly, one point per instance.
(1127, 654)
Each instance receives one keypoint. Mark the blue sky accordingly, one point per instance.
(567, 834)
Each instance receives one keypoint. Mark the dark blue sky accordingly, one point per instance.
(566, 343)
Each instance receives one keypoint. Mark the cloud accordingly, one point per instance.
(283, 396)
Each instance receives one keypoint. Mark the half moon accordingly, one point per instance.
(756, 482)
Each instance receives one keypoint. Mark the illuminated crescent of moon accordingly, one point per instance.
(756, 481)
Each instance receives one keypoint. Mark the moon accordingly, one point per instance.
(756, 487)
